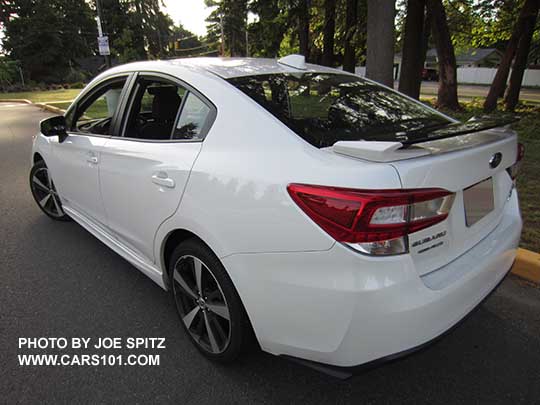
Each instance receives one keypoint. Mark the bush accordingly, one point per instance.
(75, 76)
(77, 85)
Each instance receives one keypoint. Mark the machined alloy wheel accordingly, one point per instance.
(45, 193)
(201, 304)
(207, 302)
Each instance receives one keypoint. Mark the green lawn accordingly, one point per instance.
(46, 95)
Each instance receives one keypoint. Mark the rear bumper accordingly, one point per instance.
(340, 308)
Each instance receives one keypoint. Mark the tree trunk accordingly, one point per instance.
(380, 41)
(447, 93)
(499, 82)
(411, 61)
(329, 32)
(520, 63)
(349, 56)
(303, 28)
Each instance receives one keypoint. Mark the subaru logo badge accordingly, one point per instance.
(495, 160)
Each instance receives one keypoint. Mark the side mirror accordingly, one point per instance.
(54, 126)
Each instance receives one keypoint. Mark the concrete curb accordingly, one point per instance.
(45, 107)
(527, 266)
(15, 100)
(50, 108)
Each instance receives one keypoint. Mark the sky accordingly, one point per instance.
(190, 13)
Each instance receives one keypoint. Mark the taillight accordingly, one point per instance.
(376, 222)
(514, 169)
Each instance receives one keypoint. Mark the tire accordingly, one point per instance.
(44, 192)
(227, 338)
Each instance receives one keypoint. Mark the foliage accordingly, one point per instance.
(9, 74)
(137, 29)
(47, 35)
(184, 43)
(231, 16)
(486, 24)
(267, 32)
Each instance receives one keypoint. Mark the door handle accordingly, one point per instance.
(163, 179)
(92, 158)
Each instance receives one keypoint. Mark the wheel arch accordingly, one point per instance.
(37, 158)
(173, 239)
(177, 236)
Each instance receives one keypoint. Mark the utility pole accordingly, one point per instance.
(100, 32)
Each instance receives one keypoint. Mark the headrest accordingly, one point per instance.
(166, 102)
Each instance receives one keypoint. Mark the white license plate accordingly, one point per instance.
(478, 201)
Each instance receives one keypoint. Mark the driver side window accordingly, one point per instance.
(94, 115)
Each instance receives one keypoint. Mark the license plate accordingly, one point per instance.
(478, 201)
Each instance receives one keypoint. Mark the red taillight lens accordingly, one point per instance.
(514, 169)
(372, 218)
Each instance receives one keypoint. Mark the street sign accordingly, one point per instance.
(103, 44)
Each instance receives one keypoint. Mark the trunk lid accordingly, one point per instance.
(456, 164)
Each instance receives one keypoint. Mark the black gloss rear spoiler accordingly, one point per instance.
(461, 136)
(475, 124)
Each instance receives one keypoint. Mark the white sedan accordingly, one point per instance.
(331, 218)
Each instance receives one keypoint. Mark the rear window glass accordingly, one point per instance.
(326, 108)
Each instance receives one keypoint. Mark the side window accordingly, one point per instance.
(94, 114)
(193, 119)
(153, 109)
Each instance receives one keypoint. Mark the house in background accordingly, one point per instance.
(474, 57)
(479, 57)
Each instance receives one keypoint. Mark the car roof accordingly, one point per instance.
(228, 68)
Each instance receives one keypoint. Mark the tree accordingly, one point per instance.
(155, 25)
(46, 36)
(380, 41)
(303, 27)
(351, 18)
(499, 82)
(447, 92)
(522, 55)
(124, 27)
(494, 25)
(412, 60)
(267, 33)
(329, 32)
(233, 15)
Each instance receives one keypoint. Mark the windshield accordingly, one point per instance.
(325, 108)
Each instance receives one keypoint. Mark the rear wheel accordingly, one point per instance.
(44, 192)
(209, 307)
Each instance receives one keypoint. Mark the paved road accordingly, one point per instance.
(57, 280)
(468, 91)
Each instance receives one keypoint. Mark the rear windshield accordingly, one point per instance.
(325, 108)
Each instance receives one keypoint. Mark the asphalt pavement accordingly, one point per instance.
(57, 280)
(469, 91)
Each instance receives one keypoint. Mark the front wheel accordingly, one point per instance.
(209, 307)
(44, 192)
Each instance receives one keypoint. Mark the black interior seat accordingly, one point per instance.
(165, 105)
